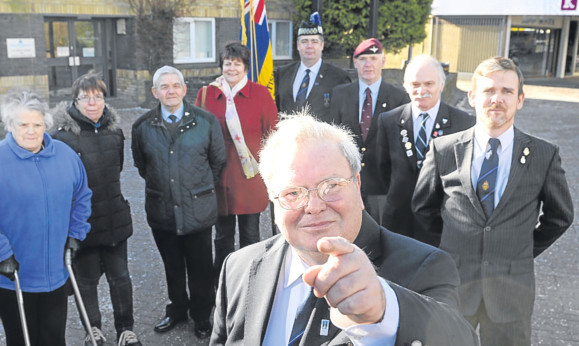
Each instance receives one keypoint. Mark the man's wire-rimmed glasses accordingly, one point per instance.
(329, 190)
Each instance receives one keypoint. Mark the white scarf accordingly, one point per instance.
(248, 162)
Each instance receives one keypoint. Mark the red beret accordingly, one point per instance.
(370, 46)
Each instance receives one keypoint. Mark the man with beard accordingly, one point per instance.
(486, 187)
(403, 136)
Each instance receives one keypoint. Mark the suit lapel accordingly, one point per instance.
(319, 78)
(262, 271)
(463, 150)
(441, 123)
(406, 136)
(523, 150)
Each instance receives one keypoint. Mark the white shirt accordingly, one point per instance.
(300, 76)
(504, 151)
(417, 120)
(374, 89)
(291, 291)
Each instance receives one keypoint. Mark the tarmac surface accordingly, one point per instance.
(551, 111)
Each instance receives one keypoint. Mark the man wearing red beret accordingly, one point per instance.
(357, 106)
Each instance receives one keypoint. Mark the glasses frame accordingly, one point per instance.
(86, 98)
(308, 191)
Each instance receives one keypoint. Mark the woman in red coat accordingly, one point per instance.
(247, 113)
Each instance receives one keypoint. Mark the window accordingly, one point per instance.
(280, 32)
(194, 40)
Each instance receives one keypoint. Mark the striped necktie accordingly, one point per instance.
(366, 114)
(303, 90)
(487, 179)
(421, 141)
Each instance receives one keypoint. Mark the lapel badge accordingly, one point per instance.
(321, 75)
(435, 133)
(526, 151)
(437, 125)
(327, 100)
(440, 133)
(523, 160)
(408, 153)
(187, 113)
(324, 327)
(408, 145)
(404, 139)
(404, 132)
(444, 121)
(384, 105)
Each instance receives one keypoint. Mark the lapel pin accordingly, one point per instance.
(321, 76)
(440, 133)
(408, 153)
(404, 132)
(526, 151)
(324, 327)
(186, 113)
(408, 145)
(437, 125)
(444, 121)
(523, 160)
(404, 139)
(384, 105)
(435, 134)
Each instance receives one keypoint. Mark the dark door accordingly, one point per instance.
(74, 47)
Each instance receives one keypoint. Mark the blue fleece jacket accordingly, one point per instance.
(44, 198)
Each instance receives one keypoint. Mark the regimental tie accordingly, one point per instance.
(303, 90)
(173, 118)
(301, 321)
(487, 179)
(366, 114)
(421, 141)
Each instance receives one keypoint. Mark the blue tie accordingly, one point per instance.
(421, 141)
(303, 90)
(487, 179)
(173, 118)
(301, 321)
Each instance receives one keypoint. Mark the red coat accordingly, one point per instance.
(258, 116)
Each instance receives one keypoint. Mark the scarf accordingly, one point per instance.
(248, 162)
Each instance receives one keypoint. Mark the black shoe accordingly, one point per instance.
(168, 323)
(203, 329)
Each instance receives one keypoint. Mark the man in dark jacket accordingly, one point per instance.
(91, 128)
(179, 151)
(317, 77)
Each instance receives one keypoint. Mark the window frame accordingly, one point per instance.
(273, 35)
(191, 58)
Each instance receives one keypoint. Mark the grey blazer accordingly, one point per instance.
(494, 256)
(423, 278)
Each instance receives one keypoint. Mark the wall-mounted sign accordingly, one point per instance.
(20, 48)
(568, 5)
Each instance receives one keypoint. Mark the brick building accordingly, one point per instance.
(46, 44)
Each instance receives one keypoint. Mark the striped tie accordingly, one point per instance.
(485, 186)
(303, 90)
(421, 141)
(301, 321)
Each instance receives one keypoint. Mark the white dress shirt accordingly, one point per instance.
(504, 151)
(417, 120)
(291, 291)
(301, 74)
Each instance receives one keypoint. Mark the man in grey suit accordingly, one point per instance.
(354, 106)
(403, 137)
(380, 288)
(501, 198)
(322, 77)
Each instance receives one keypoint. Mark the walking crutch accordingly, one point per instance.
(79, 302)
(20, 300)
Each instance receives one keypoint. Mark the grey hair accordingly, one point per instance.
(13, 103)
(300, 128)
(166, 70)
(421, 60)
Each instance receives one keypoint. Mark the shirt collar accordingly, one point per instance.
(179, 113)
(374, 87)
(297, 268)
(314, 69)
(432, 112)
(481, 137)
